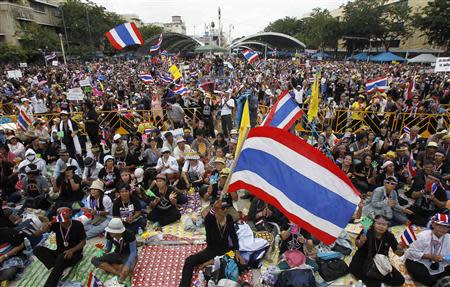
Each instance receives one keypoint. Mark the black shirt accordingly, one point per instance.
(110, 179)
(122, 246)
(378, 246)
(66, 193)
(124, 210)
(74, 235)
(218, 239)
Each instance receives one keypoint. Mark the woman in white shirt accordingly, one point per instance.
(16, 147)
(426, 257)
(193, 170)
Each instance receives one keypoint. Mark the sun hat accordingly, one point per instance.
(225, 171)
(139, 174)
(192, 155)
(441, 219)
(219, 160)
(165, 149)
(97, 184)
(115, 226)
(116, 137)
(108, 157)
(432, 144)
(89, 162)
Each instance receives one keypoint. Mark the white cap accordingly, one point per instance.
(180, 140)
(139, 173)
(116, 137)
(165, 149)
(386, 164)
(108, 157)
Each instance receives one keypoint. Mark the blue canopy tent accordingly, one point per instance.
(387, 57)
(321, 55)
(359, 57)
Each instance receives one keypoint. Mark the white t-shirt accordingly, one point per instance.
(198, 169)
(107, 203)
(227, 108)
(167, 167)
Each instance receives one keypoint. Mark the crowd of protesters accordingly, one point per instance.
(74, 158)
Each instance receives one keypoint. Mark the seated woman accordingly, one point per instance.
(164, 206)
(425, 258)
(12, 259)
(260, 213)
(121, 262)
(110, 175)
(219, 230)
(365, 175)
(193, 171)
(377, 241)
(128, 208)
(100, 207)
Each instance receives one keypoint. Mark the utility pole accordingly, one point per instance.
(62, 49)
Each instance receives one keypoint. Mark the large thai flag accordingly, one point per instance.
(126, 34)
(379, 85)
(157, 45)
(146, 78)
(182, 90)
(250, 55)
(23, 121)
(284, 113)
(285, 171)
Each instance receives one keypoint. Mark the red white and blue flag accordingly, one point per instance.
(408, 236)
(124, 35)
(165, 53)
(94, 281)
(50, 57)
(146, 78)
(411, 166)
(250, 55)
(157, 45)
(300, 181)
(23, 121)
(411, 88)
(166, 80)
(181, 90)
(284, 113)
(406, 130)
(379, 85)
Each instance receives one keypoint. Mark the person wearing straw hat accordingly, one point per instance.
(70, 241)
(122, 260)
(427, 259)
(15, 146)
(99, 208)
(193, 170)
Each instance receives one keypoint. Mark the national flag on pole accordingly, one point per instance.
(124, 35)
(146, 78)
(408, 236)
(284, 113)
(50, 57)
(165, 53)
(300, 181)
(411, 88)
(313, 109)
(93, 281)
(379, 85)
(181, 90)
(243, 126)
(411, 166)
(250, 55)
(23, 121)
(406, 130)
(157, 45)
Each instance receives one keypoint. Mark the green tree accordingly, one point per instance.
(434, 22)
(321, 30)
(34, 37)
(11, 54)
(288, 25)
(148, 31)
(86, 25)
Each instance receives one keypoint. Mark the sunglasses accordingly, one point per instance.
(390, 182)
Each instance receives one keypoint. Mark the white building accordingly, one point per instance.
(176, 26)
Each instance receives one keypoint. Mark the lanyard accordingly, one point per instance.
(65, 236)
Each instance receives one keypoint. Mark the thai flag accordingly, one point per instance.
(181, 90)
(380, 85)
(158, 44)
(406, 130)
(193, 74)
(23, 121)
(50, 57)
(432, 187)
(285, 171)
(94, 281)
(166, 80)
(411, 166)
(250, 55)
(147, 131)
(146, 78)
(284, 113)
(60, 218)
(408, 236)
(411, 88)
(165, 53)
(123, 35)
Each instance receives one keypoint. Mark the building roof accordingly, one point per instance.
(271, 39)
(172, 42)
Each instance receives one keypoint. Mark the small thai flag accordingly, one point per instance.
(23, 121)
(157, 45)
(60, 218)
(147, 131)
(182, 90)
(5, 247)
(406, 130)
(146, 78)
(50, 57)
(193, 74)
(250, 55)
(124, 35)
(408, 236)
(166, 80)
(432, 187)
(164, 53)
(411, 166)
(380, 85)
(94, 281)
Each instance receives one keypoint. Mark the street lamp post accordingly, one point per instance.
(62, 49)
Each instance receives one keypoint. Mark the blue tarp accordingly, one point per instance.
(387, 57)
(359, 57)
(322, 55)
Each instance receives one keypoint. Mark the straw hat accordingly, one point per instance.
(97, 184)
(115, 226)
(192, 155)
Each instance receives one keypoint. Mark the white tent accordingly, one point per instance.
(423, 58)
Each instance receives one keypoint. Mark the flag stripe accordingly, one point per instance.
(115, 40)
(291, 181)
(137, 33)
(284, 111)
(125, 35)
(291, 119)
(131, 32)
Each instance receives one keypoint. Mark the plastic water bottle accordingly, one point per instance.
(28, 249)
(140, 231)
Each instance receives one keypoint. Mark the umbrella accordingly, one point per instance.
(210, 48)
(423, 58)
(42, 83)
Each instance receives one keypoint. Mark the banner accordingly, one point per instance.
(175, 72)
(14, 74)
(442, 65)
(85, 83)
(55, 63)
(75, 94)
(23, 65)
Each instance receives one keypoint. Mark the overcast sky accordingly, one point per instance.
(247, 16)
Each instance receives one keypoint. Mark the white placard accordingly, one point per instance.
(55, 63)
(85, 83)
(75, 94)
(442, 65)
(14, 74)
(176, 133)
(23, 65)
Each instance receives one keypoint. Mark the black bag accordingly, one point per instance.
(332, 269)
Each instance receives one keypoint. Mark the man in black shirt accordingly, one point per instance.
(128, 208)
(70, 241)
(219, 229)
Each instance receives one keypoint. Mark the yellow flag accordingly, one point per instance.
(175, 72)
(245, 124)
(314, 103)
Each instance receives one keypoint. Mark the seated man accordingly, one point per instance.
(121, 262)
(128, 208)
(70, 241)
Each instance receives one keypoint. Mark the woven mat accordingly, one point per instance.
(194, 204)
